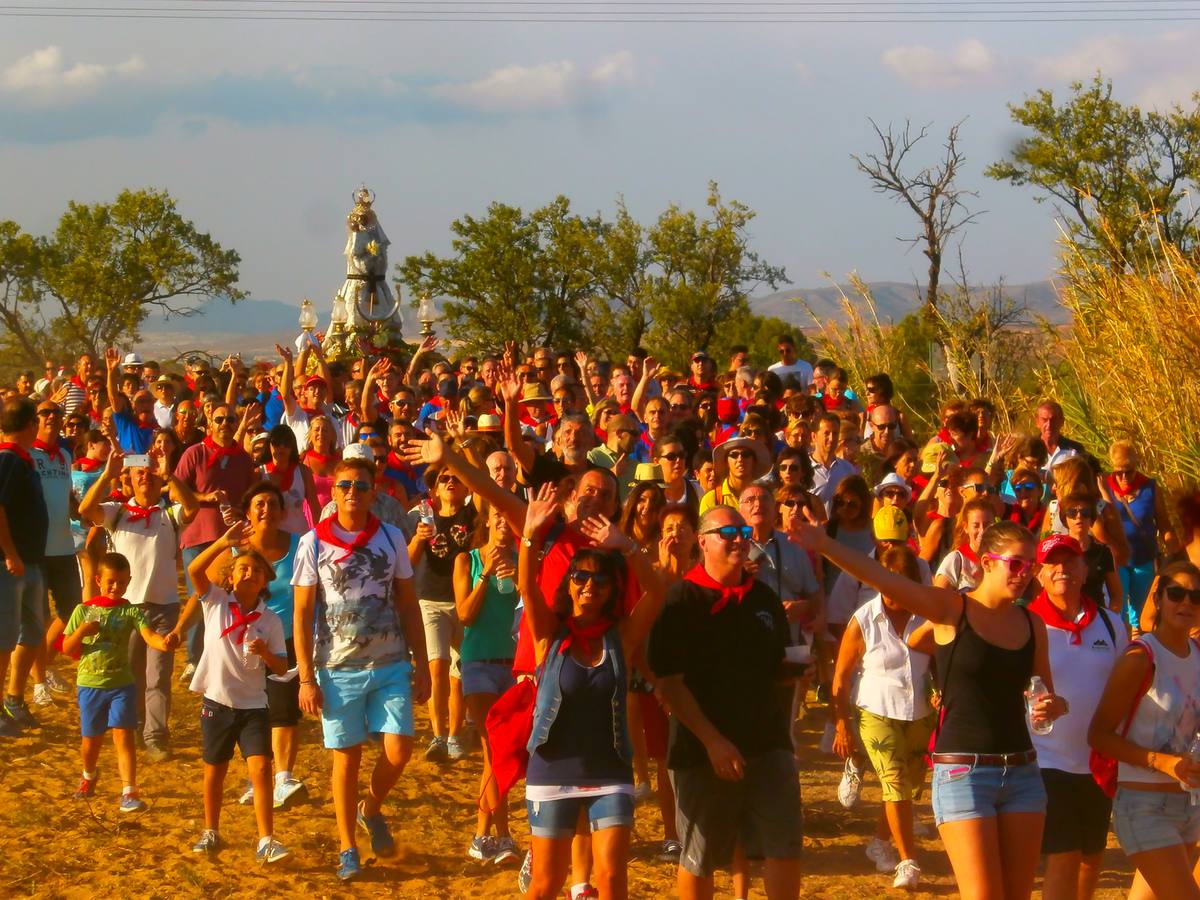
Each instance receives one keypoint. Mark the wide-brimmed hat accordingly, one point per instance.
(761, 458)
(892, 480)
(648, 472)
(535, 392)
(489, 424)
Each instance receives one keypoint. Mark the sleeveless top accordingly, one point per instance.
(280, 588)
(490, 636)
(1168, 715)
(1138, 520)
(983, 692)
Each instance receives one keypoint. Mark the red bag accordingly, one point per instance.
(509, 725)
(1104, 768)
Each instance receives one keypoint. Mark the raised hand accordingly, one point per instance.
(453, 424)
(285, 353)
(605, 534)
(542, 508)
(237, 534)
(582, 360)
(430, 452)
(428, 345)
(112, 358)
(114, 464)
(649, 368)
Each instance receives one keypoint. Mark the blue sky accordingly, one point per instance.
(261, 130)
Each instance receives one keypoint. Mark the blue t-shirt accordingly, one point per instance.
(133, 438)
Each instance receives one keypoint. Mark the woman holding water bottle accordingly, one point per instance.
(1147, 720)
(988, 797)
(485, 597)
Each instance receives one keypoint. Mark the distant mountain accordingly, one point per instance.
(218, 315)
(893, 301)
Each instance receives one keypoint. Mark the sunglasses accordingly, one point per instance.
(1124, 473)
(872, 389)
(358, 484)
(790, 504)
(403, 401)
(986, 489)
(448, 479)
(884, 426)
(1027, 486)
(794, 467)
(673, 456)
(943, 482)
(1079, 512)
(580, 577)
(223, 420)
(729, 533)
(680, 407)
(752, 432)
(559, 401)
(893, 494)
(1017, 565)
(1176, 593)
(741, 454)
(47, 413)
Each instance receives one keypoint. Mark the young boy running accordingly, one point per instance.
(241, 638)
(98, 632)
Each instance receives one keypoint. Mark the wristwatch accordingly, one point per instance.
(527, 542)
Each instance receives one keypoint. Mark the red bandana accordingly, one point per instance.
(136, 513)
(1053, 617)
(17, 449)
(54, 451)
(584, 634)
(395, 462)
(1136, 483)
(1034, 524)
(700, 577)
(105, 602)
(325, 533)
(969, 554)
(87, 464)
(215, 453)
(320, 459)
(285, 478)
(310, 412)
(240, 621)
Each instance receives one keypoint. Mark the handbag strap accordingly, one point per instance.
(1145, 688)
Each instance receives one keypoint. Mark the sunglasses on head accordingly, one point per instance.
(580, 577)
(1017, 565)
(1176, 593)
(731, 532)
(1080, 512)
(358, 484)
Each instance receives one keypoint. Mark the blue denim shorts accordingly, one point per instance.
(978, 792)
(362, 703)
(486, 677)
(1151, 820)
(22, 608)
(557, 818)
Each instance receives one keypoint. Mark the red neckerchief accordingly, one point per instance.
(700, 577)
(325, 533)
(698, 386)
(17, 449)
(647, 441)
(87, 464)
(1034, 524)
(115, 494)
(310, 411)
(983, 442)
(584, 634)
(54, 451)
(240, 621)
(395, 462)
(216, 453)
(943, 436)
(969, 554)
(1136, 483)
(286, 477)
(723, 434)
(832, 403)
(320, 459)
(105, 602)
(1053, 616)
(137, 513)
(79, 384)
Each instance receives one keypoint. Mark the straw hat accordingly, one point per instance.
(535, 392)
(761, 458)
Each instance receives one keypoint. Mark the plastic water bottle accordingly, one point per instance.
(250, 660)
(504, 584)
(1037, 689)
(1193, 753)
(425, 512)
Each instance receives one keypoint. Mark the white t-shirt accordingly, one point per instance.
(1080, 673)
(962, 574)
(151, 546)
(800, 369)
(224, 674)
(299, 425)
(356, 622)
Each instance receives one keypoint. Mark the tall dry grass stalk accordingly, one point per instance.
(1133, 359)
(861, 344)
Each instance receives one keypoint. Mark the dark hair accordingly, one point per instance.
(362, 465)
(629, 510)
(114, 562)
(900, 559)
(686, 510)
(261, 487)
(17, 416)
(800, 455)
(700, 457)
(738, 348)
(786, 338)
(965, 422)
(283, 436)
(884, 382)
(611, 564)
(1075, 498)
(176, 446)
(857, 486)
(1167, 577)
(1188, 508)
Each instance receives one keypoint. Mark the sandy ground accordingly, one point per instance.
(54, 846)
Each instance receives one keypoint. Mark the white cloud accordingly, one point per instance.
(1110, 54)
(45, 75)
(968, 62)
(1153, 70)
(544, 87)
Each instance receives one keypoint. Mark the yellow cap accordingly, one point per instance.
(891, 524)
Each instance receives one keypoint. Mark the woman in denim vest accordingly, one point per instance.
(580, 757)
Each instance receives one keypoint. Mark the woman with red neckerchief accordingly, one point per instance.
(320, 458)
(960, 569)
(301, 503)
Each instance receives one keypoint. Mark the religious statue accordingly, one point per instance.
(365, 293)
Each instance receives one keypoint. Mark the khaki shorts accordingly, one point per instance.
(443, 632)
(897, 752)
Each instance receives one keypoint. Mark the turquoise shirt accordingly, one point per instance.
(490, 636)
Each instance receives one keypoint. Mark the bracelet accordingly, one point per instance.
(313, 681)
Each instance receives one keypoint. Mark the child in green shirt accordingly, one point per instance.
(98, 633)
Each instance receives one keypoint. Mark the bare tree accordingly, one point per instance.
(930, 193)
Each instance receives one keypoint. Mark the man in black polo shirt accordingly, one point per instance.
(717, 651)
(24, 523)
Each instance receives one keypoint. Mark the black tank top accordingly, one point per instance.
(983, 693)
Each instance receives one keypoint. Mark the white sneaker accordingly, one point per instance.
(825, 745)
(247, 795)
(188, 671)
(882, 854)
(285, 791)
(41, 696)
(850, 785)
(56, 684)
(908, 875)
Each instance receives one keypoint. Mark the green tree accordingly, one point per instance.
(1117, 175)
(95, 279)
(759, 334)
(513, 276)
(618, 315)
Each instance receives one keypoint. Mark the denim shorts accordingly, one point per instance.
(1151, 820)
(558, 818)
(103, 708)
(22, 608)
(962, 791)
(486, 677)
(362, 703)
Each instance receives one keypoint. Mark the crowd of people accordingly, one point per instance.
(620, 584)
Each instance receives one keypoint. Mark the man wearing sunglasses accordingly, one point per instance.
(883, 428)
(366, 666)
(717, 650)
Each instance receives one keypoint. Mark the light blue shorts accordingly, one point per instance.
(557, 818)
(1151, 820)
(362, 703)
(486, 677)
(963, 792)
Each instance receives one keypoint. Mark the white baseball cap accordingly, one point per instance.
(358, 451)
